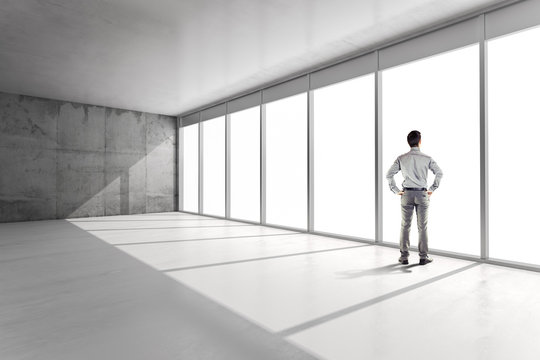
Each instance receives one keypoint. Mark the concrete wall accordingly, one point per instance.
(62, 160)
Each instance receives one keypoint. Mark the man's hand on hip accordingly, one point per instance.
(429, 193)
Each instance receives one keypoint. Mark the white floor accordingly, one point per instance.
(181, 286)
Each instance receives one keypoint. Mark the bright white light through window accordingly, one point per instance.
(438, 96)
(245, 164)
(214, 166)
(513, 83)
(286, 162)
(344, 181)
(191, 168)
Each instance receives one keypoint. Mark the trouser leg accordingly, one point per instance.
(407, 209)
(422, 219)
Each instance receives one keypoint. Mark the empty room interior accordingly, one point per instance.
(279, 179)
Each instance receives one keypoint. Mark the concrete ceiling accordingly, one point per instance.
(171, 56)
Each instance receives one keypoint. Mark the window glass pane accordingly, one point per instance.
(245, 164)
(191, 168)
(513, 78)
(214, 166)
(286, 162)
(344, 178)
(438, 96)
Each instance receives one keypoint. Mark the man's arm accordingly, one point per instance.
(438, 174)
(394, 169)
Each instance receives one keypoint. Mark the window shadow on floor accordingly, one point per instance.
(263, 258)
(171, 227)
(255, 238)
(391, 269)
(370, 302)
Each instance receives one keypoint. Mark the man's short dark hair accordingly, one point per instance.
(414, 138)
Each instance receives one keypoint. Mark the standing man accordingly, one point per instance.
(414, 165)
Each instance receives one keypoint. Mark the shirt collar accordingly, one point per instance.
(415, 148)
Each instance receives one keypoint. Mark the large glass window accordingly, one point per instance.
(214, 166)
(245, 164)
(513, 83)
(344, 168)
(191, 168)
(286, 162)
(438, 96)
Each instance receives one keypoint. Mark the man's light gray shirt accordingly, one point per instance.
(414, 166)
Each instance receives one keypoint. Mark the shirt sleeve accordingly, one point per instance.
(394, 169)
(438, 174)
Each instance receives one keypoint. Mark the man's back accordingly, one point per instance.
(414, 166)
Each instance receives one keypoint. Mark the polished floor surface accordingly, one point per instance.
(182, 286)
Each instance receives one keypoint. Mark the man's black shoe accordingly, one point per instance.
(403, 261)
(425, 261)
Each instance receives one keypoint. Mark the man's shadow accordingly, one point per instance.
(383, 270)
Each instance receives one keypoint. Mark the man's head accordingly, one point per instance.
(414, 138)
